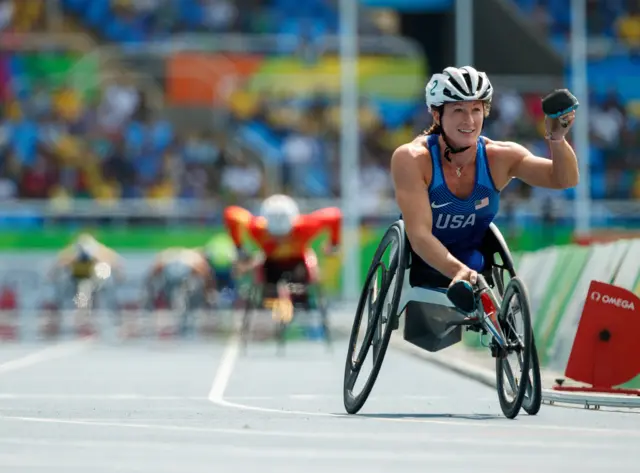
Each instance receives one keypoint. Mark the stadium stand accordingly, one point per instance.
(104, 140)
(613, 29)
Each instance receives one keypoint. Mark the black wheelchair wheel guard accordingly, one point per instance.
(394, 236)
(515, 289)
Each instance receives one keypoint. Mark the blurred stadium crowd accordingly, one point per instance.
(56, 142)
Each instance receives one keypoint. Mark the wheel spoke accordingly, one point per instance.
(512, 380)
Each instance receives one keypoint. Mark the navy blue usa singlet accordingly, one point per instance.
(460, 224)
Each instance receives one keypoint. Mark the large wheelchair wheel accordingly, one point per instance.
(502, 271)
(519, 338)
(380, 323)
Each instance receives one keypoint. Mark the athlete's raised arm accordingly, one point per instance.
(413, 199)
(237, 220)
(330, 218)
(559, 172)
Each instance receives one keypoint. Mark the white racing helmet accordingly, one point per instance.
(86, 244)
(281, 212)
(458, 85)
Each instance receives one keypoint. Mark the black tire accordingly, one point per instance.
(247, 319)
(320, 301)
(393, 236)
(281, 337)
(533, 397)
(283, 325)
(515, 288)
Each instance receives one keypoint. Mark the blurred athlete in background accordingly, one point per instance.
(284, 237)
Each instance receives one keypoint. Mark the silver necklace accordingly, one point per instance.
(459, 168)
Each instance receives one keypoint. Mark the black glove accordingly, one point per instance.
(560, 110)
(558, 103)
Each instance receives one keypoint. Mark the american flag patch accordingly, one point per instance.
(482, 203)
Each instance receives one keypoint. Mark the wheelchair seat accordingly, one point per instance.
(428, 318)
(431, 319)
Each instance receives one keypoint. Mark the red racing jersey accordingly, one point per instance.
(295, 245)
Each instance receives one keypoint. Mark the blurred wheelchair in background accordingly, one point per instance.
(287, 289)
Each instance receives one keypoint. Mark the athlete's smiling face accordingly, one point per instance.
(463, 122)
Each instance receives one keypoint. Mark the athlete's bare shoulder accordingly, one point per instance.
(411, 150)
(502, 156)
(409, 159)
(503, 148)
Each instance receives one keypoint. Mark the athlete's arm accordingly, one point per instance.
(237, 220)
(331, 218)
(110, 256)
(65, 259)
(559, 172)
(66, 255)
(413, 199)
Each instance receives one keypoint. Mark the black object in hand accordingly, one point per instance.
(558, 103)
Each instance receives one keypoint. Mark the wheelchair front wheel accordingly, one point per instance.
(520, 343)
(533, 396)
(322, 306)
(251, 306)
(373, 298)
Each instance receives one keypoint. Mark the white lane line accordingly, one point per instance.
(222, 449)
(230, 355)
(136, 397)
(223, 375)
(45, 354)
(225, 369)
(424, 438)
(98, 397)
(144, 397)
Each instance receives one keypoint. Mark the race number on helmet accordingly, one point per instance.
(457, 85)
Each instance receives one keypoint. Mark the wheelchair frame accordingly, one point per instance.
(447, 323)
(255, 300)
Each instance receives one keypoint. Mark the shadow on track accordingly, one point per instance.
(414, 415)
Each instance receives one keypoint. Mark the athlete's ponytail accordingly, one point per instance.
(435, 128)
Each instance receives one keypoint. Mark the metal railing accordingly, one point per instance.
(211, 208)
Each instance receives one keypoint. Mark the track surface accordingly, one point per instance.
(202, 406)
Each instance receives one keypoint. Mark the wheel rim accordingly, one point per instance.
(371, 313)
(381, 285)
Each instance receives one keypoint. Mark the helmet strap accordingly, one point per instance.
(450, 149)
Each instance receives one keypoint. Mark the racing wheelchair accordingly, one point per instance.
(433, 323)
(285, 292)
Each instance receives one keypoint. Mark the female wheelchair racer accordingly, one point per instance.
(463, 174)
